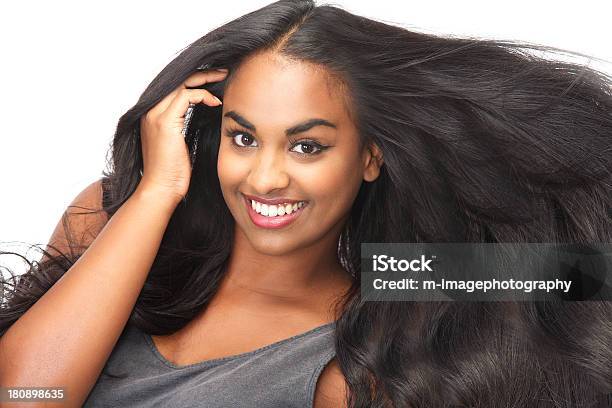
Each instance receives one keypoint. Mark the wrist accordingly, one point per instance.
(158, 195)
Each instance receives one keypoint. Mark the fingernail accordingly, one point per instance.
(218, 100)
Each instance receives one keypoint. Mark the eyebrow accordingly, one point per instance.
(299, 128)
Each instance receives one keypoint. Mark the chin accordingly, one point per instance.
(273, 248)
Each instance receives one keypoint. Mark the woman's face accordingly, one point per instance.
(320, 164)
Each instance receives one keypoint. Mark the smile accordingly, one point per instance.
(274, 219)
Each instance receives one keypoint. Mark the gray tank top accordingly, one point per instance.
(281, 374)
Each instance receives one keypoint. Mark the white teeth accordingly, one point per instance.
(274, 210)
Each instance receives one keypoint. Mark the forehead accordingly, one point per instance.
(268, 84)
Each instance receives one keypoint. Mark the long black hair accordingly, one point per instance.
(483, 141)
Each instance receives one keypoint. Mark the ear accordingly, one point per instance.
(373, 161)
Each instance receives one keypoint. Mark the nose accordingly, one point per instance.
(268, 174)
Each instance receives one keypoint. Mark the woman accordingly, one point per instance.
(196, 292)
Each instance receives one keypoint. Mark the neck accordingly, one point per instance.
(308, 279)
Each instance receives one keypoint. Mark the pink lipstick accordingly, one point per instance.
(278, 221)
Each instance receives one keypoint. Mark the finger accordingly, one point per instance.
(162, 105)
(178, 107)
(196, 79)
(203, 77)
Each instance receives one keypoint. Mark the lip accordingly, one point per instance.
(272, 222)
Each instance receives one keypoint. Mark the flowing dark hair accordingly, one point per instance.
(483, 141)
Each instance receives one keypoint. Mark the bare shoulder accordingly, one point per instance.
(330, 391)
(81, 222)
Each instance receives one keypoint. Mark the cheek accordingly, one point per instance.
(336, 184)
(229, 168)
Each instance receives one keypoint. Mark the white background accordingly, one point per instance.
(70, 69)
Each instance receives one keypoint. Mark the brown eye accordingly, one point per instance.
(310, 148)
(241, 139)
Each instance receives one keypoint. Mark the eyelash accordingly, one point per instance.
(232, 133)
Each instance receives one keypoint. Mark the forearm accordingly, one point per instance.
(66, 337)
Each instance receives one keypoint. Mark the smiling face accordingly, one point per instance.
(286, 133)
